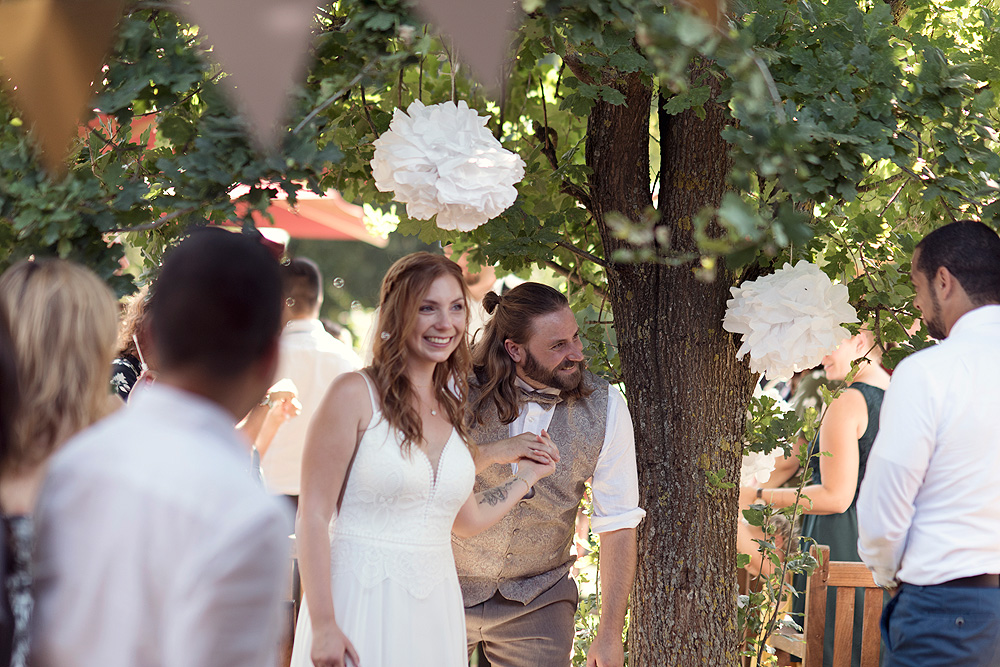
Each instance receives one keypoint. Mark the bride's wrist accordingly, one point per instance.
(528, 486)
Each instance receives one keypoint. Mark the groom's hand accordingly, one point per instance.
(606, 652)
(538, 448)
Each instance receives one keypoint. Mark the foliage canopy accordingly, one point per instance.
(854, 125)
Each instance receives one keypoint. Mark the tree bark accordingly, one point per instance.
(686, 391)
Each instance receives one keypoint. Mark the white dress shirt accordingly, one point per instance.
(929, 505)
(312, 359)
(615, 485)
(155, 546)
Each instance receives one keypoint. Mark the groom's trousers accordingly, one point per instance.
(537, 634)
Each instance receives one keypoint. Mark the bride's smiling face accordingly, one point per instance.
(440, 322)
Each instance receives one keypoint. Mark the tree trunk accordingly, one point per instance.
(686, 391)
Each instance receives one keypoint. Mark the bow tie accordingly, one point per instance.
(547, 401)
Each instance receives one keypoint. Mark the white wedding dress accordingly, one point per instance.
(395, 590)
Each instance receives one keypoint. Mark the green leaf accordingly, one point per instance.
(693, 97)
(612, 95)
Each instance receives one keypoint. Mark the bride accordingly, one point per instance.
(388, 450)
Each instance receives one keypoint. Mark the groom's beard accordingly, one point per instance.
(553, 378)
(934, 322)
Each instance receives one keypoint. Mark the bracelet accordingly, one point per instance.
(760, 492)
(525, 483)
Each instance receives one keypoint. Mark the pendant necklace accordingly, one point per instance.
(434, 412)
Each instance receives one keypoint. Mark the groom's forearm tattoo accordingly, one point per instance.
(497, 495)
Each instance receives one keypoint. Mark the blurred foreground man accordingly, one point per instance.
(155, 546)
(929, 505)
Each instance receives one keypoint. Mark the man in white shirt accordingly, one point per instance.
(529, 378)
(929, 505)
(311, 358)
(155, 545)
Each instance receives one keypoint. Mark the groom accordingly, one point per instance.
(529, 375)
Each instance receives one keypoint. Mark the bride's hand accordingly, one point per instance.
(533, 470)
(525, 445)
(332, 648)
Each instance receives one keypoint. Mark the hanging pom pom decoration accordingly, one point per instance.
(441, 160)
(757, 466)
(789, 320)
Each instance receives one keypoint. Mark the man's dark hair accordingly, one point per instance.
(971, 252)
(217, 304)
(302, 282)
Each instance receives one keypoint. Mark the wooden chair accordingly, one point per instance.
(845, 577)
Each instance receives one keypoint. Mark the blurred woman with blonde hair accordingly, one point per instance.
(63, 321)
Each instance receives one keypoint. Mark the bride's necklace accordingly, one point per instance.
(433, 410)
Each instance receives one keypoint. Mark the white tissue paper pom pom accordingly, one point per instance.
(758, 466)
(789, 320)
(441, 160)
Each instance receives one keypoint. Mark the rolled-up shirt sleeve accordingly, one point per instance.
(895, 472)
(615, 485)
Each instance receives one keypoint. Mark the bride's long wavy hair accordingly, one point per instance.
(403, 290)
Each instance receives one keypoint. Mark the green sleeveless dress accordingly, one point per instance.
(840, 531)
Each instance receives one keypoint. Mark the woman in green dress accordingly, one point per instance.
(837, 460)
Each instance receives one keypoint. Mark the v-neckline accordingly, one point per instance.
(435, 470)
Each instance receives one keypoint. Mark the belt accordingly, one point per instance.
(975, 581)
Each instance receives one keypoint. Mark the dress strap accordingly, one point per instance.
(371, 391)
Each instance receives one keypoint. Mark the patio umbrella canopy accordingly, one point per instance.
(325, 217)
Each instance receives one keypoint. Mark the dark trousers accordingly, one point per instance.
(538, 634)
(931, 626)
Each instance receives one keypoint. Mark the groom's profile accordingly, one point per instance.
(529, 375)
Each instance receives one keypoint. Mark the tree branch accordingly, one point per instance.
(549, 139)
(573, 62)
(885, 181)
(368, 114)
(892, 199)
(583, 254)
(154, 225)
(575, 279)
(578, 193)
(333, 98)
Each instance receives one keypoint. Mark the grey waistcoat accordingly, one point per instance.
(530, 549)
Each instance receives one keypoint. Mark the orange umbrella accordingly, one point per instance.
(313, 216)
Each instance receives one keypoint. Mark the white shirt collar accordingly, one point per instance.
(168, 402)
(304, 326)
(975, 317)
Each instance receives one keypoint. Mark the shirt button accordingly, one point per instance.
(523, 503)
(509, 556)
(515, 531)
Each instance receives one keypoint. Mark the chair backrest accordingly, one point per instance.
(845, 577)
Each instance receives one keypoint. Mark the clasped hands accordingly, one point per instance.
(529, 451)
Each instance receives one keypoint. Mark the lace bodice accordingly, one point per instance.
(396, 518)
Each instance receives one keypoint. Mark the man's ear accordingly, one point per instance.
(514, 350)
(944, 282)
